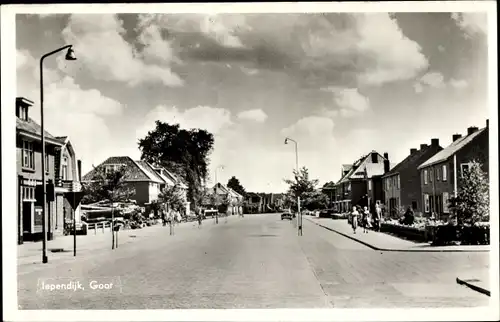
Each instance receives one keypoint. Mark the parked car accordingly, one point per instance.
(287, 215)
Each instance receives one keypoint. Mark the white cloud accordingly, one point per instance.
(204, 117)
(397, 57)
(311, 130)
(99, 44)
(256, 115)
(471, 23)
(24, 59)
(431, 79)
(458, 83)
(349, 100)
(418, 87)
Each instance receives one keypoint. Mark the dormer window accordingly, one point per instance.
(110, 168)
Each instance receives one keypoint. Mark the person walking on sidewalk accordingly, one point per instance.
(354, 219)
(378, 217)
(366, 220)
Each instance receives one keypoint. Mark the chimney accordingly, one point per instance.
(423, 146)
(22, 108)
(434, 142)
(387, 165)
(487, 123)
(413, 151)
(471, 130)
(79, 165)
(456, 137)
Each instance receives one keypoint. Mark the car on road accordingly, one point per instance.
(287, 215)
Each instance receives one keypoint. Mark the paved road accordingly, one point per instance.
(252, 262)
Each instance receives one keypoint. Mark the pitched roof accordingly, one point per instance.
(451, 149)
(413, 160)
(149, 171)
(135, 172)
(31, 127)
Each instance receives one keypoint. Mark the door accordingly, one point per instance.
(27, 216)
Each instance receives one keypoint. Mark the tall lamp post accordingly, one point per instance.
(70, 55)
(299, 223)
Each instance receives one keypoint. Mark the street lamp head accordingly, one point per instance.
(70, 54)
(286, 141)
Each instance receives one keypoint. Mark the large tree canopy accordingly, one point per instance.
(235, 184)
(184, 152)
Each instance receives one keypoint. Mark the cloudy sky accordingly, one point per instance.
(339, 84)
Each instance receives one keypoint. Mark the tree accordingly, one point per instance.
(184, 152)
(235, 184)
(472, 202)
(110, 185)
(311, 197)
(173, 197)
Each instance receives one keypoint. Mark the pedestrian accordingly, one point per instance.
(366, 220)
(378, 216)
(199, 218)
(354, 219)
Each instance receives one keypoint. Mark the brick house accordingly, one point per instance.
(439, 174)
(402, 183)
(61, 173)
(360, 183)
(235, 198)
(141, 177)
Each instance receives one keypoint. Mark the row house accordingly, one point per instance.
(234, 198)
(264, 202)
(401, 185)
(440, 174)
(360, 184)
(145, 180)
(62, 173)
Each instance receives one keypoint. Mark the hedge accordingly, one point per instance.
(441, 235)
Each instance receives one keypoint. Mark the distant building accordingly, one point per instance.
(360, 182)
(402, 183)
(146, 180)
(439, 175)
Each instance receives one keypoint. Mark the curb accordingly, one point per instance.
(400, 250)
(473, 287)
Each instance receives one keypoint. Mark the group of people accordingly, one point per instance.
(363, 217)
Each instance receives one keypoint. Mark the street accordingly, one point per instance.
(253, 262)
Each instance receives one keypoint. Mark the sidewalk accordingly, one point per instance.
(62, 246)
(384, 242)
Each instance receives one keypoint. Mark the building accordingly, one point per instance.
(61, 173)
(169, 180)
(401, 184)
(140, 177)
(357, 180)
(264, 202)
(235, 199)
(439, 175)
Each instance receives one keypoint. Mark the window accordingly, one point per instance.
(438, 174)
(65, 168)
(426, 202)
(349, 186)
(47, 163)
(464, 167)
(426, 176)
(430, 175)
(445, 172)
(28, 193)
(445, 202)
(398, 182)
(369, 185)
(28, 155)
(110, 168)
